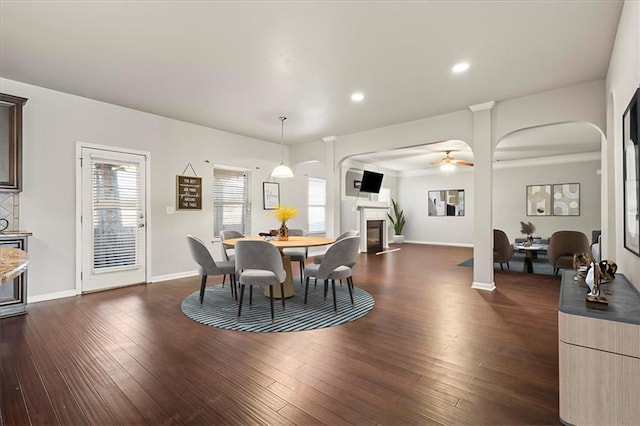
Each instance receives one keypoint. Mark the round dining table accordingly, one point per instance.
(292, 242)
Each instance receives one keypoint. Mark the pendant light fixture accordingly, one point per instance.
(282, 171)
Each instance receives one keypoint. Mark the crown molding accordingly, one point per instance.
(529, 162)
(543, 161)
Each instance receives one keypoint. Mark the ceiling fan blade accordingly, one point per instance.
(461, 163)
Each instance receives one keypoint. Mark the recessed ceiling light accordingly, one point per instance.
(461, 67)
(357, 97)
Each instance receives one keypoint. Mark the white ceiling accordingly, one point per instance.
(238, 66)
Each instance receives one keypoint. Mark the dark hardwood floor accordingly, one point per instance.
(432, 351)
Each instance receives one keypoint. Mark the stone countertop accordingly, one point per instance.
(13, 262)
(623, 306)
(13, 234)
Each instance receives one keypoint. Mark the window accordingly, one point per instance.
(317, 205)
(231, 201)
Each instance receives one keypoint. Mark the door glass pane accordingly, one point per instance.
(116, 206)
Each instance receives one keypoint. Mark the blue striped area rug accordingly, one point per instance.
(220, 309)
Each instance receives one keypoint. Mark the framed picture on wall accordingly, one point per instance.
(631, 171)
(448, 202)
(539, 200)
(566, 199)
(270, 195)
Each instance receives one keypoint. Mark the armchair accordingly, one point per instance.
(563, 245)
(502, 248)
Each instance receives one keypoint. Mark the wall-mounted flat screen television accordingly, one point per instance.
(371, 182)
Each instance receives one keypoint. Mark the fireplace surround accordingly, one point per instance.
(373, 225)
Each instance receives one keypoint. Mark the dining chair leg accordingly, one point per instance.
(230, 284)
(508, 267)
(234, 286)
(306, 289)
(203, 284)
(301, 272)
(271, 302)
(326, 288)
(282, 295)
(350, 287)
(223, 279)
(501, 267)
(335, 304)
(240, 303)
(250, 297)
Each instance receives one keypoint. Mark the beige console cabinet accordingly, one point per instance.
(599, 354)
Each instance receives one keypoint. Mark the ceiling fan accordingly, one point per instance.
(449, 162)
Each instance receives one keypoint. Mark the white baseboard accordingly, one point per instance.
(51, 296)
(440, 243)
(484, 286)
(176, 276)
(71, 293)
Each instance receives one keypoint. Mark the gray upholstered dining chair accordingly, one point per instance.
(228, 253)
(563, 245)
(502, 248)
(318, 258)
(201, 255)
(259, 263)
(336, 265)
(297, 254)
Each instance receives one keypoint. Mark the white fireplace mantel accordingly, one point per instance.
(372, 210)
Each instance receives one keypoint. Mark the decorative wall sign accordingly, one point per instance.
(631, 172)
(566, 199)
(270, 195)
(188, 192)
(538, 200)
(449, 202)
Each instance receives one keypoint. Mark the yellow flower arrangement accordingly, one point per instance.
(284, 213)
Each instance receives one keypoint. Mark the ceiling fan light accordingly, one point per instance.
(447, 167)
(282, 171)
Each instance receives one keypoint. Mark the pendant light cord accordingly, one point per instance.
(282, 139)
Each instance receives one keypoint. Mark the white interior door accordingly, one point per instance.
(113, 222)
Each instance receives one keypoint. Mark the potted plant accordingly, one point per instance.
(398, 222)
(527, 228)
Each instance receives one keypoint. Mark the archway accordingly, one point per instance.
(410, 173)
(550, 176)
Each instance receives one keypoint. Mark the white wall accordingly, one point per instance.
(622, 81)
(422, 228)
(55, 121)
(509, 197)
(578, 103)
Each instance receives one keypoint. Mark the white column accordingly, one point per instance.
(483, 198)
(333, 187)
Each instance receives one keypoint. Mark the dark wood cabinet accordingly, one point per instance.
(11, 142)
(13, 294)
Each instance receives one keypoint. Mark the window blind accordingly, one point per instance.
(116, 200)
(317, 205)
(231, 201)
